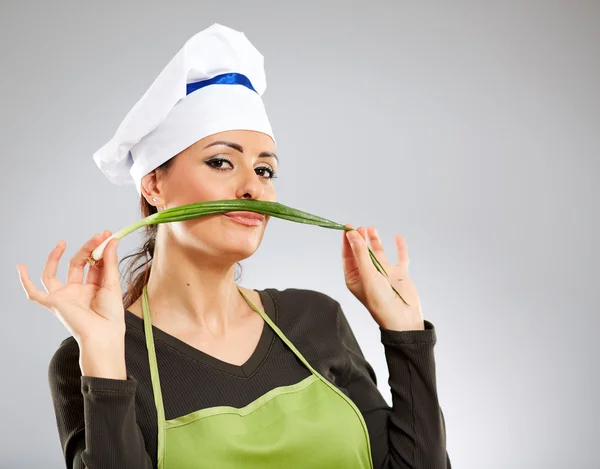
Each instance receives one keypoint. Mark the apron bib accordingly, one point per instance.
(308, 425)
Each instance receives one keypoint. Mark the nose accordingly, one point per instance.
(250, 186)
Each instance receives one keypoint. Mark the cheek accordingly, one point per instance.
(270, 194)
(194, 187)
(205, 231)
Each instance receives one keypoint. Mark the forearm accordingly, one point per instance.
(95, 416)
(417, 434)
(112, 436)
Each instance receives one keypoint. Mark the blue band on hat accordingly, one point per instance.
(223, 79)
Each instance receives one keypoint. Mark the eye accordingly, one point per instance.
(217, 162)
(269, 170)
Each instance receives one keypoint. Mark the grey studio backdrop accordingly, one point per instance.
(471, 128)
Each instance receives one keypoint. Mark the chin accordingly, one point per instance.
(239, 245)
(237, 253)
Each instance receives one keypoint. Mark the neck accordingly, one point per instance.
(193, 290)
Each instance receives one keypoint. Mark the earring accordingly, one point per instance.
(154, 199)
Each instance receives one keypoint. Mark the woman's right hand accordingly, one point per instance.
(92, 310)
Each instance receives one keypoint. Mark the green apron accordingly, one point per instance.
(308, 425)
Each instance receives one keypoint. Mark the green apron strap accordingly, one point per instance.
(315, 372)
(160, 410)
(279, 333)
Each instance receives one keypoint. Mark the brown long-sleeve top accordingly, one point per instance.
(111, 423)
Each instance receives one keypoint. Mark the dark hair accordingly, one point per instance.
(136, 279)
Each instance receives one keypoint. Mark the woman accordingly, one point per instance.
(187, 369)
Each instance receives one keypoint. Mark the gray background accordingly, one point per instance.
(472, 128)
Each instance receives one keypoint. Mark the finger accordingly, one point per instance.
(365, 238)
(376, 245)
(402, 250)
(111, 266)
(359, 248)
(95, 275)
(79, 260)
(49, 280)
(363, 232)
(348, 259)
(32, 292)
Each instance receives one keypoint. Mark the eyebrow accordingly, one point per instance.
(236, 146)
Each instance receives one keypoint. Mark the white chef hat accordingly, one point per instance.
(213, 84)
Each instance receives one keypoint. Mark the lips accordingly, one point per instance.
(248, 215)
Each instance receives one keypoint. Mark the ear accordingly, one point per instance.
(150, 187)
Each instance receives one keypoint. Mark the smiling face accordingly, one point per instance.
(236, 164)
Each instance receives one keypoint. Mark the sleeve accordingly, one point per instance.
(412, 433)
(95, 417)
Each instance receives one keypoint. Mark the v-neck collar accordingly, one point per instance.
(245, 370)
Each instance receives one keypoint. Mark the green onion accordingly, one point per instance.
(201, 209)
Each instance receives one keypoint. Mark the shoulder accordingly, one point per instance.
(304, 298)
(64, 363)
(67, 350)
(306, 307)
(316, 325)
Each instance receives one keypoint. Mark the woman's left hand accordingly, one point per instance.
(373, 289)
